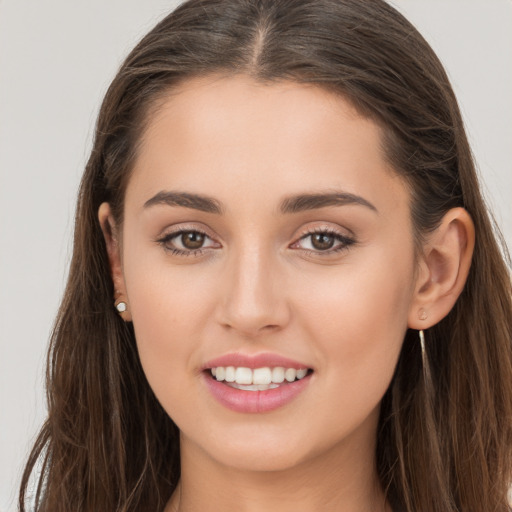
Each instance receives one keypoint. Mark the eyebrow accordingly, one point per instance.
(305, 202)
(292, 204)
(186, 200)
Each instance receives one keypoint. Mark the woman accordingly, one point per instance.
(285, 289)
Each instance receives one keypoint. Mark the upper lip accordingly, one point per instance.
(252, 361)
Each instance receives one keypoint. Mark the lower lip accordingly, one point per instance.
(240, 400)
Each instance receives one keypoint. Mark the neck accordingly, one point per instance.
(342, 480)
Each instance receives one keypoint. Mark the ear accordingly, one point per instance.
(443, 269)
(110, 232)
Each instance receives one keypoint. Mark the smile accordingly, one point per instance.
(257, 383)
(257, 379)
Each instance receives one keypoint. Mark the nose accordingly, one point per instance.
(253, 294)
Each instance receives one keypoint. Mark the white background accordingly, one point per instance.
(56, 60)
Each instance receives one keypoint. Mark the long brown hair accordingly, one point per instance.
(443, 445)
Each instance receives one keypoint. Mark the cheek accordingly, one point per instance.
(359, 319)
(166, 321)
(168, 310)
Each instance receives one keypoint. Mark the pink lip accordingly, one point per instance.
(254, 401)
(239, 400)
(253, 361)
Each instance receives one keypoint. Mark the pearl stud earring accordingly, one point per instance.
(121, 306)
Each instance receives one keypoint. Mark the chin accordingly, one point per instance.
(253, 460)
(261, 450)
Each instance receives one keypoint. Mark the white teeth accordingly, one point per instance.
(289, 374)
(243, 375)
(258, 379)
(278, 374)
(253, 387)
(230, 374)
(301, 373)
(261, 376)
(220, 374)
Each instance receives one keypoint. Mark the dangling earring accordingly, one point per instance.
(423, 315)
(422, 343)
(427, 376)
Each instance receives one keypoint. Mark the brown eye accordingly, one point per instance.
(192, 239)
(322, 241)
(188, 242)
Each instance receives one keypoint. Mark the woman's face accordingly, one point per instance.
(263, 230)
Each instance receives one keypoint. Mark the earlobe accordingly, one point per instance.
(110, 233)
(443, 269)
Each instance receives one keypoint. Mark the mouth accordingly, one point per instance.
(257, 379)
(256, 389)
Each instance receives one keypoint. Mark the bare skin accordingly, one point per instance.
(334, 286)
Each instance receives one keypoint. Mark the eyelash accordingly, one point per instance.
(345, 241)
(179, 252)
(345, 244)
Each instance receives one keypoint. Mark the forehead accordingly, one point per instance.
(232, 135)
(226, 103)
